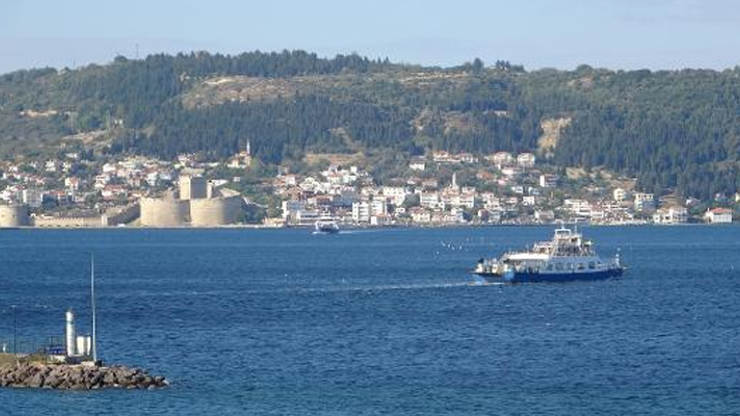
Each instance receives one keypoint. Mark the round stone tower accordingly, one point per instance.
(12, 216)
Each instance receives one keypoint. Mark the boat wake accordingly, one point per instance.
(377, 288)
(326, 289)
(367, 230)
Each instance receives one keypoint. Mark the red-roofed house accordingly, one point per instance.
(718, 216)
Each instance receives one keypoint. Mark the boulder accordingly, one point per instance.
(77, 377)
(36, 381)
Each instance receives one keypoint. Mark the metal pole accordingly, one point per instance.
(15, 350)
(92, 301)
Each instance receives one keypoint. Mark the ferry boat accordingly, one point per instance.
(326, 226)
(567, 257)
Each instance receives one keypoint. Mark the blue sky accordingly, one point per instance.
(617, 34)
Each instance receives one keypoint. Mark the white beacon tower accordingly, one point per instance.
(71, 339)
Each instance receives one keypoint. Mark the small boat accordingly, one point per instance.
(567, 257)
(326, 226)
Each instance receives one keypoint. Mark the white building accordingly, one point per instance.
(292, 207)
(361, 211)
(381, 220)
(420, 215)
(431, 200)
(455, 215)
(644, 201)
(466, 199)
(395, 194)
(51, 166)
(378, 207)
(502, 159)
(525, 160)
(72, 183)
(109, 167)
(578, 207)
(418, 164)
(718, 216)
(511, 171)
(32, 197)
(548, 180)
(672, 215)
(364, 211)
(307, 217)
(443, 156)
(619, 195)
(152, 178)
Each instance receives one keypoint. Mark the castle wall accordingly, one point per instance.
(67, 222)
(121, 216)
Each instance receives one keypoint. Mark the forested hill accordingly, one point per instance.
(670, 129)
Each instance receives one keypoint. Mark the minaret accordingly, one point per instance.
(454, 181)
(248, 157)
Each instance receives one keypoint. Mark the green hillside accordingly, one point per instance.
(670, 129)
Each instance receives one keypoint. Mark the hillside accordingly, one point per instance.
(670, 129)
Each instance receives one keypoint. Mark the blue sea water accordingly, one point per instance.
(282, 322)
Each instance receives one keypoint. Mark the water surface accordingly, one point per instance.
(383, 322)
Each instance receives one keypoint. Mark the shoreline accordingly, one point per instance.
(353, 228)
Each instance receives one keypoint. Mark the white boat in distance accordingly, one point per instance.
(326, 225)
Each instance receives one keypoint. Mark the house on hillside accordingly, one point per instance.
(718, 216)
(644, 201)
(417, 164)
(525, 160)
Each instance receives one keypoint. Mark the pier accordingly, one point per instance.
(71, 364)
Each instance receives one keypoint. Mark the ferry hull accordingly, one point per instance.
(327, 230)
(552, 277)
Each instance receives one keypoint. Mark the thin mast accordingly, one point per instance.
(92, 302)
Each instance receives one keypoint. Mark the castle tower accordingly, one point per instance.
(193, 187)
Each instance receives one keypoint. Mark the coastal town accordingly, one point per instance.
(79, 189)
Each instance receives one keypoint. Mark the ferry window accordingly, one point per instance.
(581, 266)
(592, 265)
(559, 266)
(549, 267)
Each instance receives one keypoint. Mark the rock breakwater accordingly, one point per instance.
(77, 377)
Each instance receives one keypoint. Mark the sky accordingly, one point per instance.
(615, 34)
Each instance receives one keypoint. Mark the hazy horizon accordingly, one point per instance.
(613, 34)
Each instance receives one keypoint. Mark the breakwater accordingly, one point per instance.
(77, 377)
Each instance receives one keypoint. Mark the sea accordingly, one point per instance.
(380, 322)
